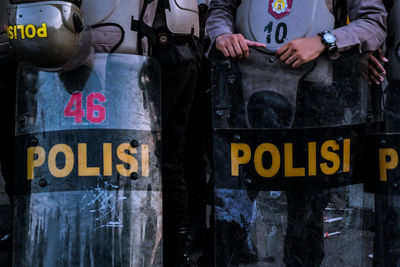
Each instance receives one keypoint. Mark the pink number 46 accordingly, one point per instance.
(95, 113)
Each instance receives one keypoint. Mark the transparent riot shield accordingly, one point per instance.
(383, 180)
(288, 161)
(88, 181)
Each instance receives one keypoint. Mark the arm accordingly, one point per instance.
(367, 30)
(221, 28)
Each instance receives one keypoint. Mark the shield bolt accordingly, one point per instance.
(42, 182)
(383, 142)
(339, 139)
(236, 137)
(21, 119)
(271, 60)
(33, 141)
(134, 143)
(219, 114)
(134, 175)
(395, 186)
(247, 181)
(231, 79)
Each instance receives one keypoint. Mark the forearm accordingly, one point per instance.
(367, 29)
(221, 18)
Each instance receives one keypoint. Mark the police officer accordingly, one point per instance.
(178, 54)
(384, 65)
(8, 68)
(166, 30)
(234, 27)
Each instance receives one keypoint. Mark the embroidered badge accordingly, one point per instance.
(279, 8)
(163, 38)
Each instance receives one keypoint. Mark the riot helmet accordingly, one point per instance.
(50, 35)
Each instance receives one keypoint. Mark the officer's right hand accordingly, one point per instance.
(235, 45)
(376, 71)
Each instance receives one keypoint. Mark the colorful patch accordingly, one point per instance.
(279, 8)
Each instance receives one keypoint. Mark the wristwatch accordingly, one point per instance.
(329, 40)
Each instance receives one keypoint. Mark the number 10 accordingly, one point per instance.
(280, 32)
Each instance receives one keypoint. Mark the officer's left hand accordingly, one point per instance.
(300, 51)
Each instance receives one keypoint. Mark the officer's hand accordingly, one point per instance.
(234, 45)
(300, 51)
(376, 71)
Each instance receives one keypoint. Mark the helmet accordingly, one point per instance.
(50, 35)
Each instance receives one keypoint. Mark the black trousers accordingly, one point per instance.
(178, 82)
(8, 70)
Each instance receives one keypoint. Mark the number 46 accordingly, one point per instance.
(95, 113)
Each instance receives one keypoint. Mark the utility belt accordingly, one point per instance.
(170, 48)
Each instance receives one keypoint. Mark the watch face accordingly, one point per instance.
(329, 38)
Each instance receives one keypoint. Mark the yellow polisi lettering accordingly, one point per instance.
(42, 31)
(145, 161)
(275, 160)
(330, 156)
(346, 155)
(29, 31)
(69, 160)
(36, 157)
(388, 160)
(83, 169)
(10, 32)
(312, 159)
(126, 158)
(21, 29)
(107, 159)
(320, 158)
(290, 171)
(33, 163)
(236, 159)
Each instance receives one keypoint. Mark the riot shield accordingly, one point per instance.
(383, 185)
(88, 181)
(288, 161)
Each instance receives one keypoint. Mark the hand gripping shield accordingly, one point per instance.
(51, 35)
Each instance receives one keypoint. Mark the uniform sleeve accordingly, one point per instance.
(221, 18)
(367, 28)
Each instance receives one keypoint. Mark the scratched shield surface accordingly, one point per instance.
(88, 178)
(288, 163)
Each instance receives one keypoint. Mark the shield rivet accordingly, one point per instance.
(219, 113)
(383, 142)
(236, 137)
(42, 182)
(134, 143)
(21, 119)
(134, 175)
(33, 141)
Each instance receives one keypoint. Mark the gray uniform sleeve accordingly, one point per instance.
(221, 17)
(367, 28)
